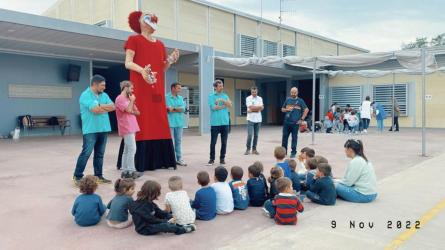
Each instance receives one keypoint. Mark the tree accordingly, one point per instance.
(422, 42)
(439, 40)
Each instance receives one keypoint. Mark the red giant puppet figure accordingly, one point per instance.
(147, 60)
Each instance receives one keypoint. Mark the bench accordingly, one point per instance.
(44, 122)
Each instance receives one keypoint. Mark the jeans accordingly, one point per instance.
(380, 125)
(252, 128)
(396, 123)
(313, 197)
(177, 138)
(129, 152)
(214, 131)
(120, 225)
(366, 123)
(96, 142)
(350, 194)
(345, 125)
(287, 130)
(270, 208)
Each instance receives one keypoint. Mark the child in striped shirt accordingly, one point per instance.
(284, 207)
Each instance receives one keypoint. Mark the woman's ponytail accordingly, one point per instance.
(357, 147)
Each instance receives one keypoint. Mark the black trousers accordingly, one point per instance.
(224, 131)
(162, 228)
(396, 123)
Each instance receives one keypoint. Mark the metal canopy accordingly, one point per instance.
(37, 35)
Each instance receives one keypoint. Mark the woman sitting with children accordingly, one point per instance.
(359, 183)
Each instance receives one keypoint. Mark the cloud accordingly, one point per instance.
(366, 25)
(28, 6)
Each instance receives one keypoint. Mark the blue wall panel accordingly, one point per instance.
(20, 69)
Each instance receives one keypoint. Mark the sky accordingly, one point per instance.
(376, 25)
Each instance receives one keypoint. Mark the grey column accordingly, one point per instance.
(171, 76)
(324, 90)
(206, 78)
(289, 85)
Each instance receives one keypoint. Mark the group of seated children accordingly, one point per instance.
(347, 120)
(281, 201)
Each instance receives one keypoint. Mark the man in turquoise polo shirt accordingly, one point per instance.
(94, 107)
(219, 104)
(175, 108)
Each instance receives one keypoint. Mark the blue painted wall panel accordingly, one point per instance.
(20, 69)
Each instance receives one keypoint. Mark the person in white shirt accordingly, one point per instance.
(365, 113)
(254, 104)
(177, 202)
(224, 198)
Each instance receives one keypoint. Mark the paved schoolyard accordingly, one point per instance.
(37, 195)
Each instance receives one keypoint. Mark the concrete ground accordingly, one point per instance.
(37, 195)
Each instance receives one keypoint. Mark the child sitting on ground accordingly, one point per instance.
(294, 175)
(323, 190)
(117, 216)
(280, 155)
(262, 177)
(178, 203)
(338, 120)
(305, 154)
(239, 188)
(328, 121)
(256, 187)
(88, 207)
(148, 218)
(311, 166)
(284, 207)
(224, 198)
(353, 122)
(275, 173)
(205, 198)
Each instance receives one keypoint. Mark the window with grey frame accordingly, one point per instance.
(383, 94)
(243, 94)
(351, 95)
(193, 101)
(270, 48)
(247, 46)
(288, 50)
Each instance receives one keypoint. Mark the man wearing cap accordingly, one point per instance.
(146, 58)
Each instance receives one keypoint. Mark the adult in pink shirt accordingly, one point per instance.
(126, 112)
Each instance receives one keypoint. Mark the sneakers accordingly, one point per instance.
(102, 180)
(222, 162)
(247, 152)
(76, 181)
(292, 156)
(126, 175)
(131, 175)
(266, 213)
(210, 163)
(181, 163)
(136, 174)
(255, 152)
(186, 229)
(365, 131)
(190, 228)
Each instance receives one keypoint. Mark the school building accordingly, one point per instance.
(86, 37)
